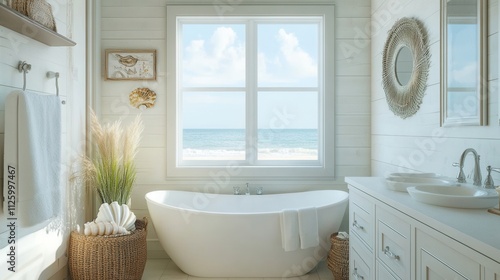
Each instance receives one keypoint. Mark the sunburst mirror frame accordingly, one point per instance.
(405, 100)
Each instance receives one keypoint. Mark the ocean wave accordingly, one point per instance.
(263, 154)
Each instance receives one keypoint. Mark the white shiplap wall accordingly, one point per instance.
(41, 255)
(419, 143)
(141, 25)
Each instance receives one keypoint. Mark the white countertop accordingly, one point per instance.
(475, 228)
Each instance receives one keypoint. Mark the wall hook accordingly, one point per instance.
(24, 68)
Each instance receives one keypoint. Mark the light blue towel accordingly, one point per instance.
(39, 157)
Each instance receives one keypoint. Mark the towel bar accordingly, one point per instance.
(51, 74)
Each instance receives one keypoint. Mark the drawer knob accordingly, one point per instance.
(356, 225)
(356, 275)
(390, 254)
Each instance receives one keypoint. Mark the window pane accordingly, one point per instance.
(288, 126)
(288, 55)
(213, 55)
(213, 126)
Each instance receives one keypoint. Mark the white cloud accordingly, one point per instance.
(465, 76)
(301, 62)
(290, 65)
(220, 61)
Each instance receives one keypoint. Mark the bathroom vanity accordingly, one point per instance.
(393, 236)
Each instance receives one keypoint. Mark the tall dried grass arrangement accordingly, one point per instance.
(110, 168)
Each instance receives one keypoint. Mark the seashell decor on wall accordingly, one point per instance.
(142, 97)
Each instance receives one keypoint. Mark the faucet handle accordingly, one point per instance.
(496, 169)
(236, 190)
(461, 175)
(488, 182)
(259, 190)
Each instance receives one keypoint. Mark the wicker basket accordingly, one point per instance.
(338, 257)
(38, 10)
(108, 257)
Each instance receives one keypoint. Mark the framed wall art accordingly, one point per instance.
(130, 64)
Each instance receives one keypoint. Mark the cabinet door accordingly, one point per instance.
(433, 269)
(439, 257)
(492, 271)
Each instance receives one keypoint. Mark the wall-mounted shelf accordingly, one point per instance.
(23, 25)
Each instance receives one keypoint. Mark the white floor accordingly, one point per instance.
(165, 269)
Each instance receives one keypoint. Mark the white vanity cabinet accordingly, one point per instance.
(361, 242)
(393, 237)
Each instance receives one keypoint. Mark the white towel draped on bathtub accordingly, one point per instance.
(308, 227)
(290, 240)
(38, 155)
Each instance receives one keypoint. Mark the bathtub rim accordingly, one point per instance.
(344, 199)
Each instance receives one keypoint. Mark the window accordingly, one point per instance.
(248, 89)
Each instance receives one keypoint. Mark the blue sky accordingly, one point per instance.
(214, 55)
(462, 55)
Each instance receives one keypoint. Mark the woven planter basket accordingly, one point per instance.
(338, 257)
(108, 257)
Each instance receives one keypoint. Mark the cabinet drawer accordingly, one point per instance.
(394, 250)
(362, 224)
(395, 220)
(360, 268)
(383, 273)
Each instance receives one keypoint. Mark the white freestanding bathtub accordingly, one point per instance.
(220, 235)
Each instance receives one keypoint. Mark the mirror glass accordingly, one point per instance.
(404, 65)
(463, 65)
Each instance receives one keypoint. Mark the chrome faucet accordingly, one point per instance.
(248, 190)
(477, 168)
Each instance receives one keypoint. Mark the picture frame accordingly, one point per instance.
(123, 64)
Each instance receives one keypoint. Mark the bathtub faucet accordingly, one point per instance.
(237, 190)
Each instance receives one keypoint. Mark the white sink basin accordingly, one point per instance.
(401, 183)
(459, 196)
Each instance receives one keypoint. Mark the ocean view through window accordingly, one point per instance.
(250, 89)
(229, 144)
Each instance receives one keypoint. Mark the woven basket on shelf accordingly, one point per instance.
(338, 257)
(38, 10)
(108, 257)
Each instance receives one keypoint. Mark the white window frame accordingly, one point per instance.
(323, 168)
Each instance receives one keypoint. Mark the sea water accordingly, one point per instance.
(271, 144)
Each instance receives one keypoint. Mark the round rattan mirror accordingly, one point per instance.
(404, 99)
